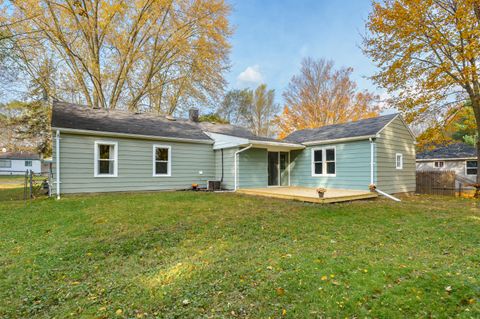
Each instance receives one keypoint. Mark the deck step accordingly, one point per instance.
(311, 199)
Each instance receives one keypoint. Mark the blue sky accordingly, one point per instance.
(271, 38)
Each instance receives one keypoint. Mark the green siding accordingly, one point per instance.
(135, 165)
(352, 167)
(228, 167)
(252, 168)
(395, 138)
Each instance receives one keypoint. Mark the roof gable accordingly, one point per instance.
(366, 127)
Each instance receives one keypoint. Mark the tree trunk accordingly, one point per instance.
(476, 112)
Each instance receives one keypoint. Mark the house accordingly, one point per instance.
(17, 163)
(458, 157)
(97, 150)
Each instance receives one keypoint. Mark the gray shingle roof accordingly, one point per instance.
(19, 156)
(73, 116)
(452, 151)
(359, 128)
(80, 117)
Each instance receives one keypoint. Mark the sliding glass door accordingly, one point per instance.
(278, 169)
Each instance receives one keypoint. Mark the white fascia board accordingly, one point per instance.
(226, 141)
(279, 145)
(128, 135)
(340, 140)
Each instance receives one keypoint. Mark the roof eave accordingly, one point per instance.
(131, 135)
(445, 159)
(291, 146)
(340, 140)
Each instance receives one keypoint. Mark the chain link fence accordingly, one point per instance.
(24, 185)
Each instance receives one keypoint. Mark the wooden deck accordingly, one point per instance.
(309, 194)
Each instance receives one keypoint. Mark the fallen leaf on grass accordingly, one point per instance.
(280, 291)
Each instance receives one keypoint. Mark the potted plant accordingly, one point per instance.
(372, 187)
(321, 191)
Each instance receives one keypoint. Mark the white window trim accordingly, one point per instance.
(29, 161)
(401, 161)
(169, 165)
(115, 159)
(466, 172)
(324, 161)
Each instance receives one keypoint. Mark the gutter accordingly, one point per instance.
(278, 144)
(445, 159)
(57, 165)
(235, 164)
(129, 135)
(339, 140)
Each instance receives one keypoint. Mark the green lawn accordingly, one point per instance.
(199, 255)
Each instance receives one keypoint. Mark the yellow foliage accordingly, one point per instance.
(321, 95)
(427, 53)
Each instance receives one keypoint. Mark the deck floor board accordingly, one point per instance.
(309, 194)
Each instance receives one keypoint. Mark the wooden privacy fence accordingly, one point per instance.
(436, 182)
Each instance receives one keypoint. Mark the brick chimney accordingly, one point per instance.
(193, 114)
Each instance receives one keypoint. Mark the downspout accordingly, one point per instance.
(221, 179)
(57, 166)
(372, 161)
(372, 171)
(235, 164)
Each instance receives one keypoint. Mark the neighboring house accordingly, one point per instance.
(460, 158)
(17, 163)
(102, 151)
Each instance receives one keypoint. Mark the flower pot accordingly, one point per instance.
(321, 195)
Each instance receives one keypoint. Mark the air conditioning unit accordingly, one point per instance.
(214, 185)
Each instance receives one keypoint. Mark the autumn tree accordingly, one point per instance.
(136, 54)
(427, 52)
(457, 125)
(233, 105)
(322, 95)
(254, 109)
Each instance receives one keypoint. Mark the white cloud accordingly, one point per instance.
(251, 75)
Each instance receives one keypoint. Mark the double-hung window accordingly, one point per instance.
(324, 161)
(162, 160)
(4, 163)
(399, 161)
(438, 164)
(106, 159)
(28, 163)
(471, 167)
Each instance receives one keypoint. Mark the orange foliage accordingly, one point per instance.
(321, 95)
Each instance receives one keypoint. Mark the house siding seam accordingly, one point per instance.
(352, 167)
(395, 138)
(135, 165)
